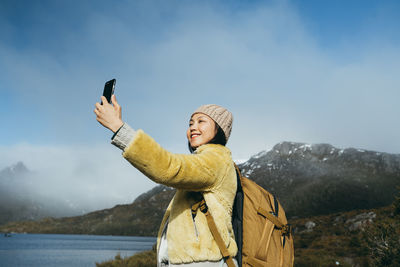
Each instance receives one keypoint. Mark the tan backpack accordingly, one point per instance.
(263, 236)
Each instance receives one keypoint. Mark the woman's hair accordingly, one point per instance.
(218, 139)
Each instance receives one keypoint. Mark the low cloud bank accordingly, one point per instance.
(90, 178)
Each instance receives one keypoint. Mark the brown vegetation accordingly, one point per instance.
(356, 238)
(142, 259)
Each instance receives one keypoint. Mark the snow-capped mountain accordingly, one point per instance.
(311, 179)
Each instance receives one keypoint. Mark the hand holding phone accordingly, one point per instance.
(109, 87)
(109, 115)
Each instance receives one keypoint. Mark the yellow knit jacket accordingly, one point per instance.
(209, 171)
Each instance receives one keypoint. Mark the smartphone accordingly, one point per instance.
(109, 90)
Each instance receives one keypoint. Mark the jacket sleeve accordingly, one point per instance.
(123, 136)
(196, 172)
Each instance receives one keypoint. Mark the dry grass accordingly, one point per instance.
(142, 259)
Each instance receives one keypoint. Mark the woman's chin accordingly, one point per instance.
(195, 145)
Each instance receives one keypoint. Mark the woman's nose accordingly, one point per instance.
(193, 127)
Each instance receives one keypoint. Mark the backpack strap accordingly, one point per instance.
(214, 231)
(276, 204)
(237, 216)
(286, 229)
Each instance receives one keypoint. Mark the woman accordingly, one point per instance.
(184, 239)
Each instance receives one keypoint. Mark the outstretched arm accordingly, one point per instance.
(201, 171)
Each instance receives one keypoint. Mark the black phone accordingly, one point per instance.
(109, 87)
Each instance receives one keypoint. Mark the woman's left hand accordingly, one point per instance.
(109, 115)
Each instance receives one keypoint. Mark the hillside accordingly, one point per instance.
(355, 238)
(309, 180)
(141, 218)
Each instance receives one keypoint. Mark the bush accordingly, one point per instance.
(142, 259)
(383, 240)
(396, 203)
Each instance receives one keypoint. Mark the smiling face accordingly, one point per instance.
(202, 130)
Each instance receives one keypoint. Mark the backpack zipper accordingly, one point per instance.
(195, 230)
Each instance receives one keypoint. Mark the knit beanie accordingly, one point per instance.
(220, 115)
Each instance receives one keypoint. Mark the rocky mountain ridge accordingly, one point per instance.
(325, 153)
(321, 179)
(308, 180)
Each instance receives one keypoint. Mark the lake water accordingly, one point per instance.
(23, 250)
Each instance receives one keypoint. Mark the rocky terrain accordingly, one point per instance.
(358, 238)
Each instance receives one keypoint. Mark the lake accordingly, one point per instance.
(48, 250)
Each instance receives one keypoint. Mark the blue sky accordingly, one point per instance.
(304, 71)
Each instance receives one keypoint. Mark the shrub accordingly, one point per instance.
(384, 244)
(396, 203)
(142, 259)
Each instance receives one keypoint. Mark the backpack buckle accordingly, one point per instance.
(286, 230)
(199, 205)
(203, 206)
